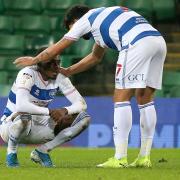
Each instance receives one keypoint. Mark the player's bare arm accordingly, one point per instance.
(46, 55)
(89, 61)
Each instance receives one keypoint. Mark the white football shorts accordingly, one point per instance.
(39, 130)
(141, 65)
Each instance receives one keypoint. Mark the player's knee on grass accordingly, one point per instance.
(71, 120)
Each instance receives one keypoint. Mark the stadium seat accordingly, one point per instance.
(57, 35)
(66, 60)
(33, 44)
(9, 66)
(109, 61)
(6, 63)
(171, 78)
(164, 10)
(59, 7)
(2, 64)
(81, 48)
(111, 56)
(1, 7)
(33, 25)
(143, 7)
(159, 93)
(175, 91)
(102, 3)
(11, 45)
(12, 76)
(3, 77)
(6, 25)
(57, 25)
(4, 90)
(20, 7)
(78, 50)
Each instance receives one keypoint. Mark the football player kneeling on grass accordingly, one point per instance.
(27, 119)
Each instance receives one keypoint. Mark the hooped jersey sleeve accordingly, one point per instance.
(65, 85)
(24, 82)
(25, 79)
(78, 103)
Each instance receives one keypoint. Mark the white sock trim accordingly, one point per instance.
(146, 105)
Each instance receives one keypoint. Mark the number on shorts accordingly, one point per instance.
(118, 69)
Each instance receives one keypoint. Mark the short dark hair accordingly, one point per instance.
(39, 50)
(75, 12)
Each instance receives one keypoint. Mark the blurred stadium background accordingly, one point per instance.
(26, 25)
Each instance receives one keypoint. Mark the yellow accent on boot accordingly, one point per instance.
(114, 163)
(141, 161)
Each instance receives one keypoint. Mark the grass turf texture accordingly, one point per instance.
(79, 164)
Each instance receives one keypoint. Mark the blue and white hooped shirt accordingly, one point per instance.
(112, 27)
(41, 92)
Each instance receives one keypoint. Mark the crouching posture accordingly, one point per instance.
(28, 120)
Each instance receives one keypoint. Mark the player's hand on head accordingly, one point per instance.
(64, 71)
(24, 61)
(58, 114)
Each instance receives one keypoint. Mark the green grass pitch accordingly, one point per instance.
(79, 164)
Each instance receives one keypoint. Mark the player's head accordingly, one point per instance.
(48, 70)
(73, 14)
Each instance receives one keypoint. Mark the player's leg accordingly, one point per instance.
(148, 120)
(77, 124)
(121, 129)
(4, 128)
(41, 130)
(124, 88)
(6, 122)
(19, 125)
(131, 73)
(145, 97)
(66, 132)
(40, 134)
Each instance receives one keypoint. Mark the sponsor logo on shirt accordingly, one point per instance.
(28, 76)
(140, 20)
(41, 103)
(52, 93)
(25, 79)
(37, 92)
